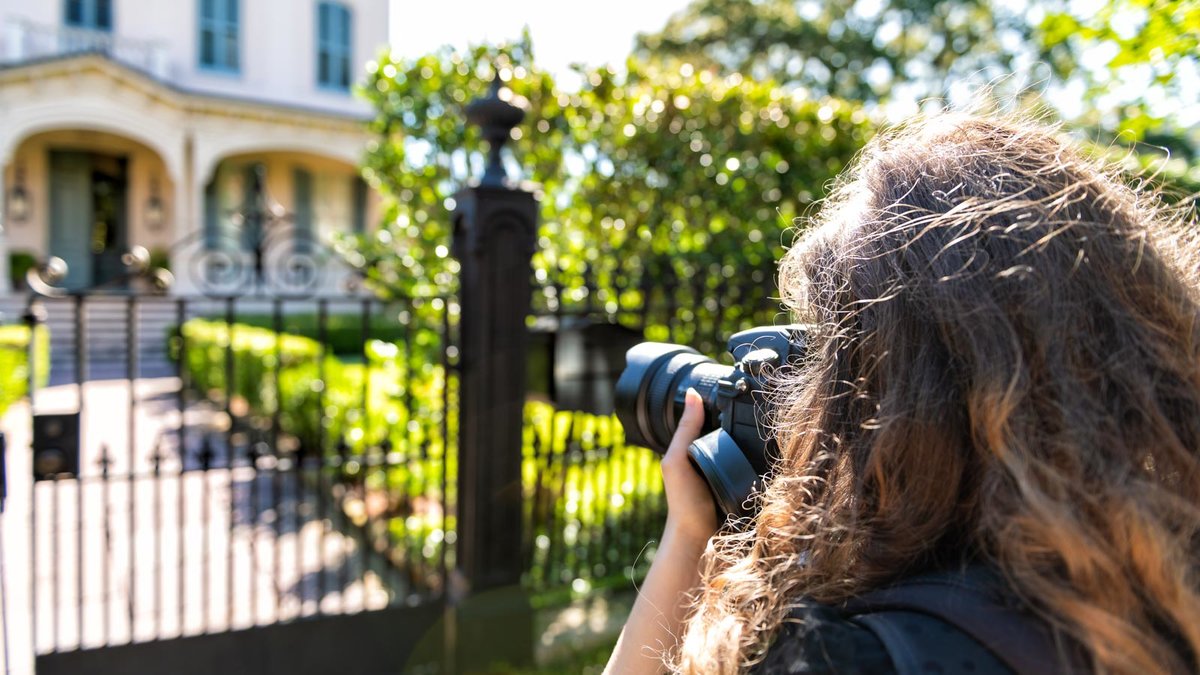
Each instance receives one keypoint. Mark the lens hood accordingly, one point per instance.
(642, 363)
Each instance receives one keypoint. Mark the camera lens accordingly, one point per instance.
(650, 392)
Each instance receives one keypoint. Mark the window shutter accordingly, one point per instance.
(73, 13)
(344, 45)
(360, 205)
(103, 15)
(212, 234)
(302, 210)
(252, 216)
(334, 53)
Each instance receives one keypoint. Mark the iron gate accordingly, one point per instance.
(231, 483)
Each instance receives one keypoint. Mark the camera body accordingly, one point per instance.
(734, 449)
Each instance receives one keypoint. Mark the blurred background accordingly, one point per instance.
(300, 371)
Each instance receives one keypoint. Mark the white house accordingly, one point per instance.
(142, 122)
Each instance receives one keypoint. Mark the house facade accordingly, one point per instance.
(143, 123)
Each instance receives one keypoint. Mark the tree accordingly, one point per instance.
(693, 182)
(1140, 72)
(667, 171)
(420, 156)
(864, 50)
(1129, 66)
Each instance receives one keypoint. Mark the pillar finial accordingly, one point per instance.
(497, 114)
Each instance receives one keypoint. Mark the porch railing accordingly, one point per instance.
(28, 41)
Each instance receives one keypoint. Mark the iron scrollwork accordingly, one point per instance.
(262, 252)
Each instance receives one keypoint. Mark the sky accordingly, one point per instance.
(563, 31)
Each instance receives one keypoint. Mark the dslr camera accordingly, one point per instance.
(735, 449)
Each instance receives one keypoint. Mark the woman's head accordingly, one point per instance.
(1005, 365)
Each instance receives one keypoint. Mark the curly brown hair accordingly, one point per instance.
(1004, 367)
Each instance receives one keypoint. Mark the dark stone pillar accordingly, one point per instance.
(495, 227)
(494, 242)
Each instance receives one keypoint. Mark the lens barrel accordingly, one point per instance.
(650, 392)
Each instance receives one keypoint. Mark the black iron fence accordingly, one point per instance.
(698, 301)
(594, 505)
(235, 475)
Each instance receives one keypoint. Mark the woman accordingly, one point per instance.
(1004, 371)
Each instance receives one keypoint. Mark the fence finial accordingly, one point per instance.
(497, 114)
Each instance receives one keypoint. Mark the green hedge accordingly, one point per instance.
(309, 379)
(319, 400)
(343, 332)
(14, 362)
(590, 499)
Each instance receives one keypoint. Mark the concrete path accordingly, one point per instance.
(140, 557)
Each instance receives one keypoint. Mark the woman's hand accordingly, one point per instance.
(691, 511)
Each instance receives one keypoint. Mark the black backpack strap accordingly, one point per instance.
(905, 655)
(919, 644)
(969, 602)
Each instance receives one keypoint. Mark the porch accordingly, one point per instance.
(132, 162)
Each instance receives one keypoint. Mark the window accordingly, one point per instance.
(219, 35)
(90, 14)
(333, 46)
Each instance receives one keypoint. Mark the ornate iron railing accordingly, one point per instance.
(28, 41)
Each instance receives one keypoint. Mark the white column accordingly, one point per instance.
(14, 40)
(5, 285)
(160, 62)
(187, 221)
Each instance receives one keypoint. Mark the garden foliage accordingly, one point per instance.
(343, 333)
(14, 362)
(862, 51)
(590, 500)
(675, 171)
(1141, 65)
(1124, 69)
(668, 189)
(349, 415)
(321, 400)
(680, 179)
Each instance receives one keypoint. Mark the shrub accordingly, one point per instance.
(664, 168)
(19, 264)
(591, 501)
(359, 404)
(356, 412)
(14, 362)
(343, 332)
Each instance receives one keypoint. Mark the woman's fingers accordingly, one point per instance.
(686, 432)
(690, 506)
(691, 422)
